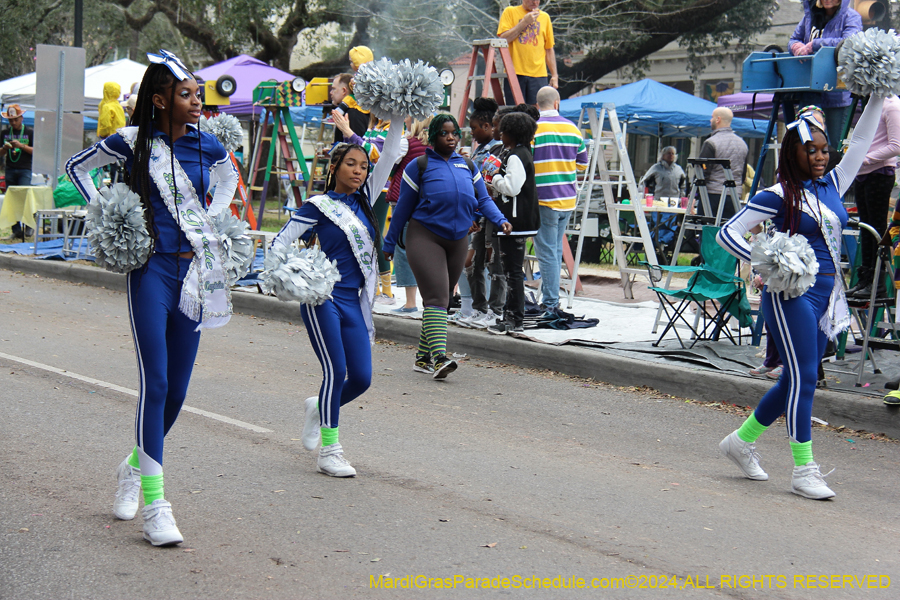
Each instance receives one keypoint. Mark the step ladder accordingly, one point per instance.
(693, 221)
(277, 128)
(490, 49)
(591, 120)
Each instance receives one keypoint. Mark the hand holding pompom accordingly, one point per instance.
(117, 229)
(867, 64)
(786, 263)
(409, 89)
(305, 276)
(237, 246)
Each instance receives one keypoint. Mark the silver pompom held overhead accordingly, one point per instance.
(786, 263)
(238, 248)
(867, 63)
(387, 89)
(305, 276)
(117, 229)
(226, 128)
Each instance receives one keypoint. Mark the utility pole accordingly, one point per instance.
(79, 9)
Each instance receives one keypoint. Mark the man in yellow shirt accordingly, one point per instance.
(530, 35)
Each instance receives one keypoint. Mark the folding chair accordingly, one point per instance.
(713, 290)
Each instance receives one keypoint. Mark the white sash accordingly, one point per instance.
(205, 297)
(837, 318)
(362, 246)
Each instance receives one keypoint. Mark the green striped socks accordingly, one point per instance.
(434, 328)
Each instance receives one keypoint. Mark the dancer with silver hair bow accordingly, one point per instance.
(181, 289)
(806, 205)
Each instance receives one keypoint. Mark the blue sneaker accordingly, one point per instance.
(404, 309)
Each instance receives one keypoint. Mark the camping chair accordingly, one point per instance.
(713, 291)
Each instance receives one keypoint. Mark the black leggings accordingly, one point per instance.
(436, 262)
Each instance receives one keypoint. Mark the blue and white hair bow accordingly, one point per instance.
(807, 117)
(172, 62)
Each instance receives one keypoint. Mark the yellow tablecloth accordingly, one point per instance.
(21, 202)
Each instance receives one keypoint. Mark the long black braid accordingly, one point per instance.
(337, 157)
(156, 79)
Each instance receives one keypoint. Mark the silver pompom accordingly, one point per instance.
(373, 85)
(866, 62)
(237, 245)
(227, 129)
(405, 88)
(305, 276)
(786, 263)
(117, 230)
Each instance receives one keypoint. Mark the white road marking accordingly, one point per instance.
(134, 393)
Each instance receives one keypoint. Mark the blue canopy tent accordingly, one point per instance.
(653, 108)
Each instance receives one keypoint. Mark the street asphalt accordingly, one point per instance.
(837, 408)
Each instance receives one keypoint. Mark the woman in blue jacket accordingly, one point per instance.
(826, 23)
(439, 203)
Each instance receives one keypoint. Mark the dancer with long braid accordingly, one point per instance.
(438, 197)
(340, 329)
(175, 294)
(807, 202)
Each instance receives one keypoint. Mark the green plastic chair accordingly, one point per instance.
(713, 289)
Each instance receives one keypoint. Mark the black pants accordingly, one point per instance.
(529, 87)
(512, 253)
(497, 299)
(873, 197)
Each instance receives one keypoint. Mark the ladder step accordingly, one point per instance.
(256, 188)
(628, 238)
(266, 139)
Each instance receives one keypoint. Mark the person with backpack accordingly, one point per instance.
(438, 197)
(515, 185)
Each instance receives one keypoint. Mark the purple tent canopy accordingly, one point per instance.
(248, 72)
(743, 105)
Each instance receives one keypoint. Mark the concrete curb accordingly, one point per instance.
(837, 408)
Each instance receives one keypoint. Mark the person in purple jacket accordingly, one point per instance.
(826, 23)
(439, 203)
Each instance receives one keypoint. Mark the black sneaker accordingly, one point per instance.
(500, 328)
(443, 366)
(518, 329)
(423, 365)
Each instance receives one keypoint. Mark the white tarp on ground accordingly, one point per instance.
(618, 322)
(22, 89)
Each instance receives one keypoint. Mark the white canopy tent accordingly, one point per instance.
(21, 90)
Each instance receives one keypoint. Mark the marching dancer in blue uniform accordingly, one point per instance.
(181, 289)
(340, 329)
(805, 202)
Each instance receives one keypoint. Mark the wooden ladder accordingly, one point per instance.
(489, 49)
(281, 133)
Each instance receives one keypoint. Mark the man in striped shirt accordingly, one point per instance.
(558, 152)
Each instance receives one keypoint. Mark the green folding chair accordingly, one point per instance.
(713, 290)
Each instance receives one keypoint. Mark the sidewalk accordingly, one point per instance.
(616, 351)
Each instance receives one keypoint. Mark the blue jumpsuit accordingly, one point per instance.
(337, 328)
(165, 339)
(794, 323)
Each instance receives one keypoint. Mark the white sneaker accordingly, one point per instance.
(486, 321)
(468, 321)
(332, 462)
(809, 482)
(744, 455)
(311, 432)
(159, 524)
(128, 492)
(384, 299)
